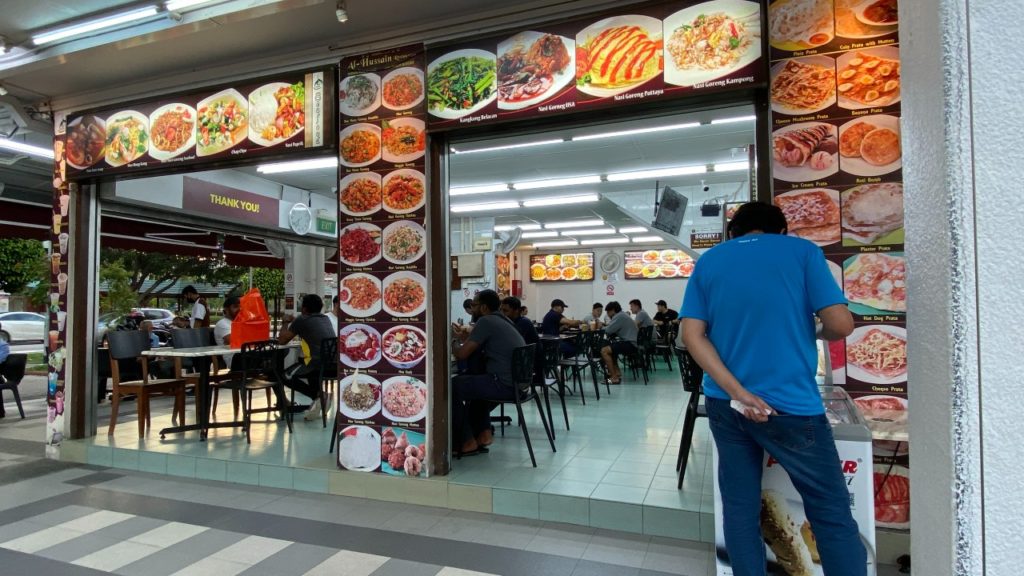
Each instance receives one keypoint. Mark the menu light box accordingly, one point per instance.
(657, 264)
(566, 267)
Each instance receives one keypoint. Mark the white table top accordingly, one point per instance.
(204, 351)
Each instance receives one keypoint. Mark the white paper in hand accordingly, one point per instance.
(742, 408)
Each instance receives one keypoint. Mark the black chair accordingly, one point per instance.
(693, 378)
(522, 375)
(550, 377)
(328, 375)
(663, 347)
(12, 372)
(129, 345)
(637, 360)
(598, 370)
(261, 370)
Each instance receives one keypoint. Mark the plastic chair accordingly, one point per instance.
(522, 376)
(260, 371)
(12, 372)
(663, 347)
(693, 378)
(130, 344)
(550, 377)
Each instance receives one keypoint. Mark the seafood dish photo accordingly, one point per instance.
(127, 137)
(618, 54)
(223, 122)
(878, 354)
(405, 294)
(803, 85)
(866, 79)
(800, 24)
(404, 191)
(402, 89)
(276, 112)
(878, 281)
(360, 194)
(360, 145)
(461, 83)
(531, 67)
(359, 345)
(359, 295)
(872, 211)
(359, 244)
(805, 151)
(404, 242)
(86, 140)
(703, 45)
(172, 131)
(404, 346)
(359, 94)
(812, 214)
(870, 146)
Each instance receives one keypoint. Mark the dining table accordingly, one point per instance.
(202, 360)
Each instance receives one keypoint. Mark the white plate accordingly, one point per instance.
(791, 45)
(734, 9)
(399, 364)
(103, 126)
(834, 194)
(348, 110)
(419, 279)
(365, 226)
(654, 32)
(854, 371)
(266, 92)
(126, 114)
(368, 435)
(396, 72)
(448, 113)
(397, 123)
(392, 228)
(558, 81)
(237, 137)
(825, 61)
(805, 173)
(351, 362)
(859, 12)
(416, 383)
(858, 166)
(409, 173)
(347, 180)
(348, 309)
(351, 130)
(352, 412)
(188, 145)
(887, 52)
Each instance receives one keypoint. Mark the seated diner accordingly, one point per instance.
(624, 331)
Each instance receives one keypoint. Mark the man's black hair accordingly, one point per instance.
(232, 301)
(312, 303)
(190, 289)
(597, 305)
(613, 306)
(513, 303)
(467, 303)
(490, 299)
(761, 216)
(637, 302)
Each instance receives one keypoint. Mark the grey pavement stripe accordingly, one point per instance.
(182, 555)
(21, 563)
(23, 447)
(20, 528)
(96, 478)
(395, 567)
(295, 560)
(20, 471)
(100, 539)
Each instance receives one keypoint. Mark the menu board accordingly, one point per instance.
(649, 53)
(573, 267)
(57, 303)
(503, 274)
(655, 264)
(286, 114)
(382, 244)
(837, 175)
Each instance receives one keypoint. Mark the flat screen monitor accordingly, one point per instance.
(671, 210)
(564, 267)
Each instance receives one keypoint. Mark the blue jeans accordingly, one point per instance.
(805, 448)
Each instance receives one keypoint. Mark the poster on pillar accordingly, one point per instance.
(382, 283)
(835, 85)
(57, 304)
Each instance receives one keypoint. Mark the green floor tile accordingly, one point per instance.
(516, 503)
(565, 509)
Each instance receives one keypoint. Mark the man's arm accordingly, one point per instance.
(466, 349)
(286, 335)
(567, 322)
(836, 322)
(694, 335)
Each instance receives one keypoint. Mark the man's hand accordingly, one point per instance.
(755, 409)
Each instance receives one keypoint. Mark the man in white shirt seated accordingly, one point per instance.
(335, 313)
(222, 330)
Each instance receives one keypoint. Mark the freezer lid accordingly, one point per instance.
(846, 420)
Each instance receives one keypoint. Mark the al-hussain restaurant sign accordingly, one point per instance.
(654, 52)
(229, 203)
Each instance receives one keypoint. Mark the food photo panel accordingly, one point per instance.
(873, 214)
(711, 40)
(870, 146)
(812, 214)
(875, 283)
(803, 86)
(360, 400)
(359, 449)
(403, 451)
(876, 354)
(534, 67)
(801, 25)
(868, 78)
(805, 152)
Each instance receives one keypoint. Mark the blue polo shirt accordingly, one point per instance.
(758, 295)
(551, 325)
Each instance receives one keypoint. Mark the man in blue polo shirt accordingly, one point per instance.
(749, 321)
(555, 321)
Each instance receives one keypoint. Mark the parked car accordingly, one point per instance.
(22, 327)
(160, 317)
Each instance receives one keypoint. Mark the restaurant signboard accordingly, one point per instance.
(647, 53)
(232, 204)
(287, 114)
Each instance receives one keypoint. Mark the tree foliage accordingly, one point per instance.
(21, 262)
(269, 281)
(164, 270)
(120, 297)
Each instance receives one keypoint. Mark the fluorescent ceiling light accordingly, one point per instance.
(542, 234)
(632, 230)
(508, 205)
(298, 165)
(509, 146)
(26, 148)
(555, 244)
(635, 131)
(574, 224)
(731, 166)
(657, 173)
(175, 5)
(601, 241)
(94, 25)
(509, 227)
(647, 239)
(481, 189)
(561, 200)
(733, 120)
(589, 232)
(555, 182)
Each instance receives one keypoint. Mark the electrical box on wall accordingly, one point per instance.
(470, 265)
(484, 245)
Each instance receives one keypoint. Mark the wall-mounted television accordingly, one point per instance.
(671, 210)
(655, 264)
(564, 267)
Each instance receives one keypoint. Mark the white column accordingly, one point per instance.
(306, 264)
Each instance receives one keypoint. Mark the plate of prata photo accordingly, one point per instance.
(873, 214)
(402, 88)
(359, 346)
(359, 244)
(812, 214)
(877, 354)
(885, 415)
(876, 283)
(848, 25)
(360, 194)
(360, 145)
(405, 191)
(711, 40)
(359, 449)
(86, 141)
(532, 67)
(618, 54)
(803, 85)
(277, 111)
(360, 397)
(127, 137)
(870, 145)
(405, 294)
(800, 24)
(223, 122)
(172, 130)
(403, 139)
(405, 399)
(805, 152)
(461, 83)
(868, 78)
(405, 242)
(892, 496)
(359, 95)
(359, 295)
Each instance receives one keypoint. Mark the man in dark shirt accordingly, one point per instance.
(512, 308)
(313, 327)
(555, 321)
(665, 319)
(624, 329)
(497, 336)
